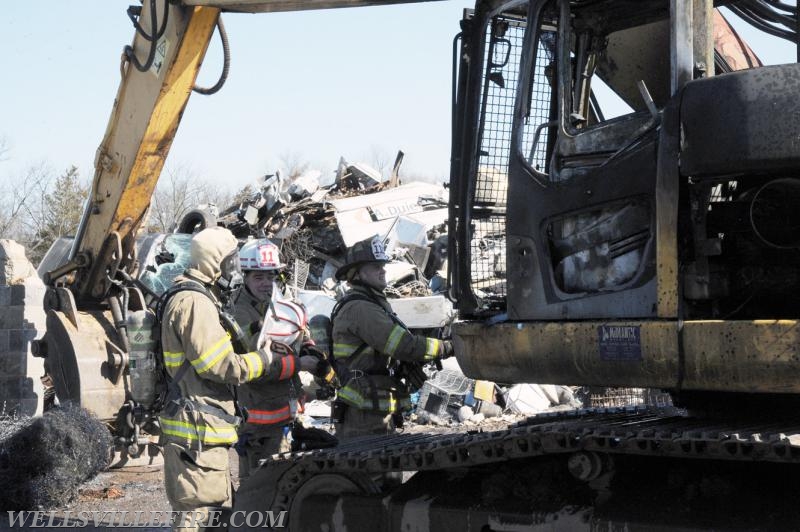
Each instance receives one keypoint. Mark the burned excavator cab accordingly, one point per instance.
(613, 195)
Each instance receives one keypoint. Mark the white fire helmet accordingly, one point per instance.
(284, 322)
(260, 254)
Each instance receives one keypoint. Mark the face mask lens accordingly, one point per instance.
(231, 271)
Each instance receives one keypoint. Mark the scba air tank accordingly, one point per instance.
(142, 367)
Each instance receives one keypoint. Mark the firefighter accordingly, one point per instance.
(200, 426)
(272, 407)
(367, 339)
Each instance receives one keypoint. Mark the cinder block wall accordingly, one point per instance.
(22, 319)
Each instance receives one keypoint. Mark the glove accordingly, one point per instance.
(447, 349)
(322, 369)
(311, 350)
(276, 361)
(309, 363)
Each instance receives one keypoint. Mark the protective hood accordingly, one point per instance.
(206, 251)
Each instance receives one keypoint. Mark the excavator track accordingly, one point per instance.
(656, 432)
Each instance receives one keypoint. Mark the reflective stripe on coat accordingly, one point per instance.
(367, 323)
(267, 403)
(191, 332)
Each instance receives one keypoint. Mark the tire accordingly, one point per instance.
(196, 220)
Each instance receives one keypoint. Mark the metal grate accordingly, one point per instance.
(539, 110)
(503, 47)
(504, 44)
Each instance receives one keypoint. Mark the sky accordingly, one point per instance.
(310, 86)
(314, 85)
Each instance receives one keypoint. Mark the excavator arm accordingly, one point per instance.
(147, 110)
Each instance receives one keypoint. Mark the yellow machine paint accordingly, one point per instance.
(758, 356)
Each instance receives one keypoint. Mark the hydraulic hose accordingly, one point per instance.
(152, 37)
(226, 63)
(770, 16)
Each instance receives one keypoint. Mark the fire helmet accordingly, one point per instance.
(368, 250)
(260, 254)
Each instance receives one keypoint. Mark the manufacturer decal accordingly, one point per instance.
(620, 342)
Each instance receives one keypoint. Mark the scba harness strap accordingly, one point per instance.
(341, 367)
(174, 402)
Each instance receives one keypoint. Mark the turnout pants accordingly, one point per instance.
(260, 445)
(196, 482)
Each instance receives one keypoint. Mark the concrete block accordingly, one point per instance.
(3, 341)
(5, 296)
(35, 290)
(11, 317)
(18, 294)
(15, 271)
(35, 318)
(11, 250)
(20, 339)
(13, 363)
(21, 395)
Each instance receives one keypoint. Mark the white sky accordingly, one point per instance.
(318, 84)
(315, 84)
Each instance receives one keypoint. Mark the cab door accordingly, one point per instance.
(582, 231)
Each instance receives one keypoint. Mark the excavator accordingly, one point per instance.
(656, 248)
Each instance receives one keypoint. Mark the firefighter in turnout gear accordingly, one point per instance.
(200, 425)
(367, 339)
(270, 407)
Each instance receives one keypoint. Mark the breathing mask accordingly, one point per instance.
(230, 279)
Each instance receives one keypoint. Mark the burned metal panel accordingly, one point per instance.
(666, 199)
(603, 353)
(582, 226)
(742, 122)
(760, 356)
(611, 133)
(534, 290)
(636, 54)
(681, 44)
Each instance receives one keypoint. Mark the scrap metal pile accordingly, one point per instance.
(314, 225)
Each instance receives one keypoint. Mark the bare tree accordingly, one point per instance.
(180, 191)
(243, 194)
(380, 159)
(55, 212)
(293, 164)
(18, 198)
(4, 149)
